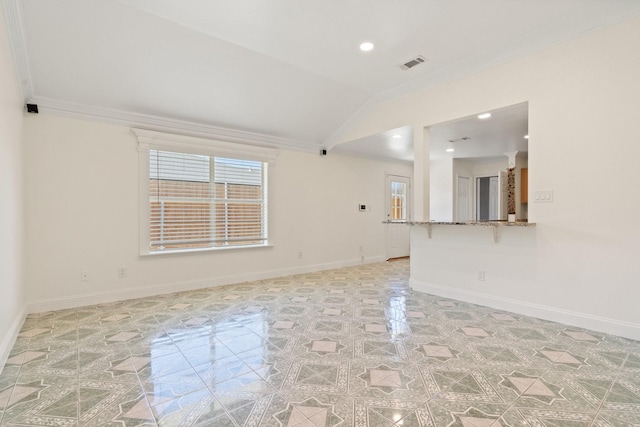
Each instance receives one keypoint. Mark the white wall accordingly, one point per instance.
(441, 189)
(82, 214)
(11, 229)
(489, 168)
(583, 256)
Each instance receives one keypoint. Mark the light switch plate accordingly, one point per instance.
(543, 196)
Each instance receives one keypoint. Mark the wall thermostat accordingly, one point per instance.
(362, 208)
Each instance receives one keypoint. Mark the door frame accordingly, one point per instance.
(387, 207)
(475, 192)
(387, 196)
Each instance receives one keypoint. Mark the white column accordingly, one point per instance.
(512, 156)
(420, 173)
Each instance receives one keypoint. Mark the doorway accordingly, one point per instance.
(491, 197)
(487, 198)
(397, 191)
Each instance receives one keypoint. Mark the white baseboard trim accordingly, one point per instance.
(147, 291)
(12, 334)
(573, 318)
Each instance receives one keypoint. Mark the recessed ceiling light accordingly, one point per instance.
(526, 137)
(366, 46)
(396, 136)
(484, 115)
(450, 150)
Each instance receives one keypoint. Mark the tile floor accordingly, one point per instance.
(348, 347)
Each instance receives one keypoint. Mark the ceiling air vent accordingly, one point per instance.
(464, 138)
(412, 63)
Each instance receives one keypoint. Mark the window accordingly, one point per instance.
(398, 201)
(194, 199)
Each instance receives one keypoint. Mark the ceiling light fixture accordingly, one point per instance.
(450, 150)
(484, 116)
(396, 136)
(366, 46)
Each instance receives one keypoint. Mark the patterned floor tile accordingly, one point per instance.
(128, 409)
(455, 384)
(173, 385)
(624, 394)
(387, 381)
(317, 376)
(471, 414)
(27, 356)
(229, 408)
(437, 351)
(610, 418)
(389, 412)
(553, 418)
(161, 366)
(562, 392)
(183, 410)
(380, 349)
(308, 410)
(324, 346)
(347, 347)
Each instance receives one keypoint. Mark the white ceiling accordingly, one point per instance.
(503, 132)
(285, 69)
(486, 139)
(394, 144)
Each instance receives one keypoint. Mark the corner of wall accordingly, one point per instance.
(12, 334)
(581, 320)
(53, 304)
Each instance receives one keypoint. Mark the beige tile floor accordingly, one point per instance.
(347, 347)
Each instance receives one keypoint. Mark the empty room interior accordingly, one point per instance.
(319, 213)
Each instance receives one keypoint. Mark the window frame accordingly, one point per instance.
(153, 140)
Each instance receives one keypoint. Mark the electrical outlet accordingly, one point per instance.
(481, 275)
(84, 275)
(122, 272)
(300, 255)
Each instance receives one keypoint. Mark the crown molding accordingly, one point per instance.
(152, 139)
(17, 40)
(167, 125)
(13, 17)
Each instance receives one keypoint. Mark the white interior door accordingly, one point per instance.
(398, 207)
(463, 200)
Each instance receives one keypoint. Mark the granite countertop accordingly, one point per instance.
(471, 223)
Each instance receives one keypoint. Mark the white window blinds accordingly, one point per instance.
(201, 201)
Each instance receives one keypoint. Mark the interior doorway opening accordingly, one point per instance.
(398, 206)
(487, 198)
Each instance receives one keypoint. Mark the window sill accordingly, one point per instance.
(203, 250)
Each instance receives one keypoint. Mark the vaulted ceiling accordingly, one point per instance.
(284, 72)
